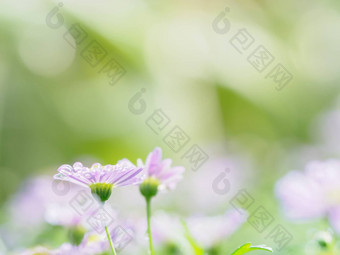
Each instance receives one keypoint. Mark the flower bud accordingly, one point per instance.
(76, 235)
(149, 187)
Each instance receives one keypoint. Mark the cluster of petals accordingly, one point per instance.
(161, 170)
(122, 174)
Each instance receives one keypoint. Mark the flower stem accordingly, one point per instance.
(148, 214)
(110, 241)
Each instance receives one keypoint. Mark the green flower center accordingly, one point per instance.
(102, 190)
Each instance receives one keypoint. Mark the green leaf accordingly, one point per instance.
(247, 248)
(198, 250)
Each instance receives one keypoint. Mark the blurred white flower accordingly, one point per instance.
(312, 194)
(210, 231)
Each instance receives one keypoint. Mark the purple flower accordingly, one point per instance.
(101, 179)
(40, 202)
(160, 171)
(312, 194)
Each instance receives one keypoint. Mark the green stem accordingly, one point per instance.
(110, 241)
(148, 214)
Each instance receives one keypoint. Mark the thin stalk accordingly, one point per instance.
(148, 214)
(110, 241)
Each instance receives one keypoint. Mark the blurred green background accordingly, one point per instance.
(56, 108)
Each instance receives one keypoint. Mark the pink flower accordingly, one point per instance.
(312, 194)
(161, 170)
